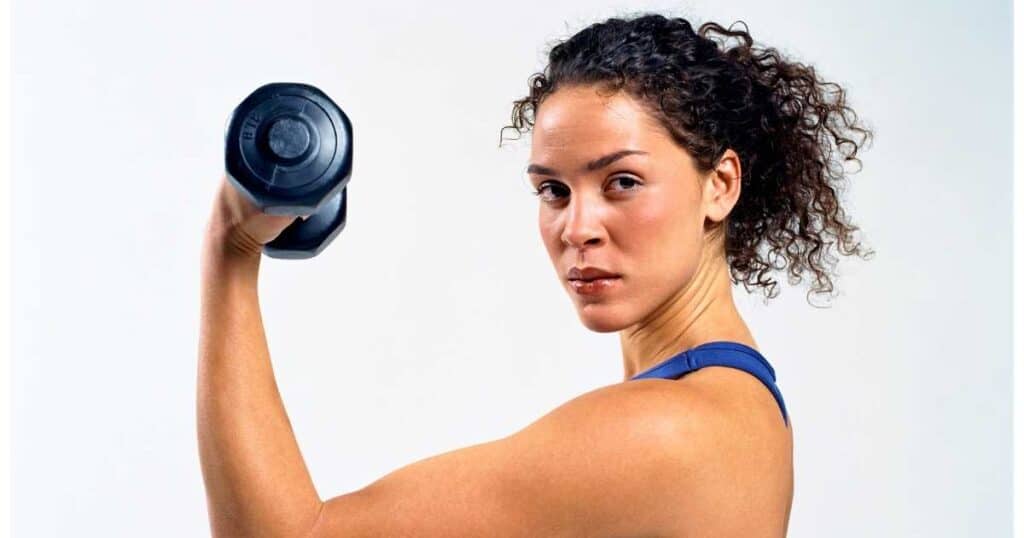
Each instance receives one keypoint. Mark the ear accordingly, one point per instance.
(722, 187)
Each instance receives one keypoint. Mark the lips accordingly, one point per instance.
(597, 287)
(590, 273)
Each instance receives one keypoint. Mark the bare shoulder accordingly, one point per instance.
(743, 449)
(719, 438)
(630, 459)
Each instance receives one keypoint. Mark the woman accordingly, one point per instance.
(665, 163)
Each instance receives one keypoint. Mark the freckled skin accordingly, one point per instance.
(651, 235)
(655, 229)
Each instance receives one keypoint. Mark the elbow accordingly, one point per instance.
(313, 529)
(305, 525)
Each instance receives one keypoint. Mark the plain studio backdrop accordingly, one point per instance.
(435, 320)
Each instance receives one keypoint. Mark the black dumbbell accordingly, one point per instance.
(289, 150)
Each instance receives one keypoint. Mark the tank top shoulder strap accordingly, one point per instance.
(719, 353)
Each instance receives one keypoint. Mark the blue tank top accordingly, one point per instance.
(719, 353)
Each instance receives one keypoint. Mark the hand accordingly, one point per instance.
(238, 225)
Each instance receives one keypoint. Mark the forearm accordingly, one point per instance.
(257, 483)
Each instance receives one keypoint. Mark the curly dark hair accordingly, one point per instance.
(776, 113)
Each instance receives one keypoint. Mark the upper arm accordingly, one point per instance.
(612, 461)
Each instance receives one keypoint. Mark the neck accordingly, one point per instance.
(701, 312)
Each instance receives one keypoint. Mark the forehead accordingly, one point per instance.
(580, 118)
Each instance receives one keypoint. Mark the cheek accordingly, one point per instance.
(548, 232)
(665, 239)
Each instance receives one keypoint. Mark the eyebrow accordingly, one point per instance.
(596, 164)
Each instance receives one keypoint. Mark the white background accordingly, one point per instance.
(435, 320)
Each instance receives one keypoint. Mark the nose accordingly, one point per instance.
(583, 226)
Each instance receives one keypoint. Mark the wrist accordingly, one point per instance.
(232, 248)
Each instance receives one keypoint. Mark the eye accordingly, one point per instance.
(627, 179)
(541, 190)
(555, 187)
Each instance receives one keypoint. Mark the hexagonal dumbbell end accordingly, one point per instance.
(288, 148)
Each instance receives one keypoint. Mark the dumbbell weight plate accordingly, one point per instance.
(289, 150)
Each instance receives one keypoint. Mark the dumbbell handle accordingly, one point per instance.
(301, 239)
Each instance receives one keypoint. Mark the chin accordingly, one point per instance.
(602, 318)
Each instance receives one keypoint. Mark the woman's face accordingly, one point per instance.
(640, 216)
